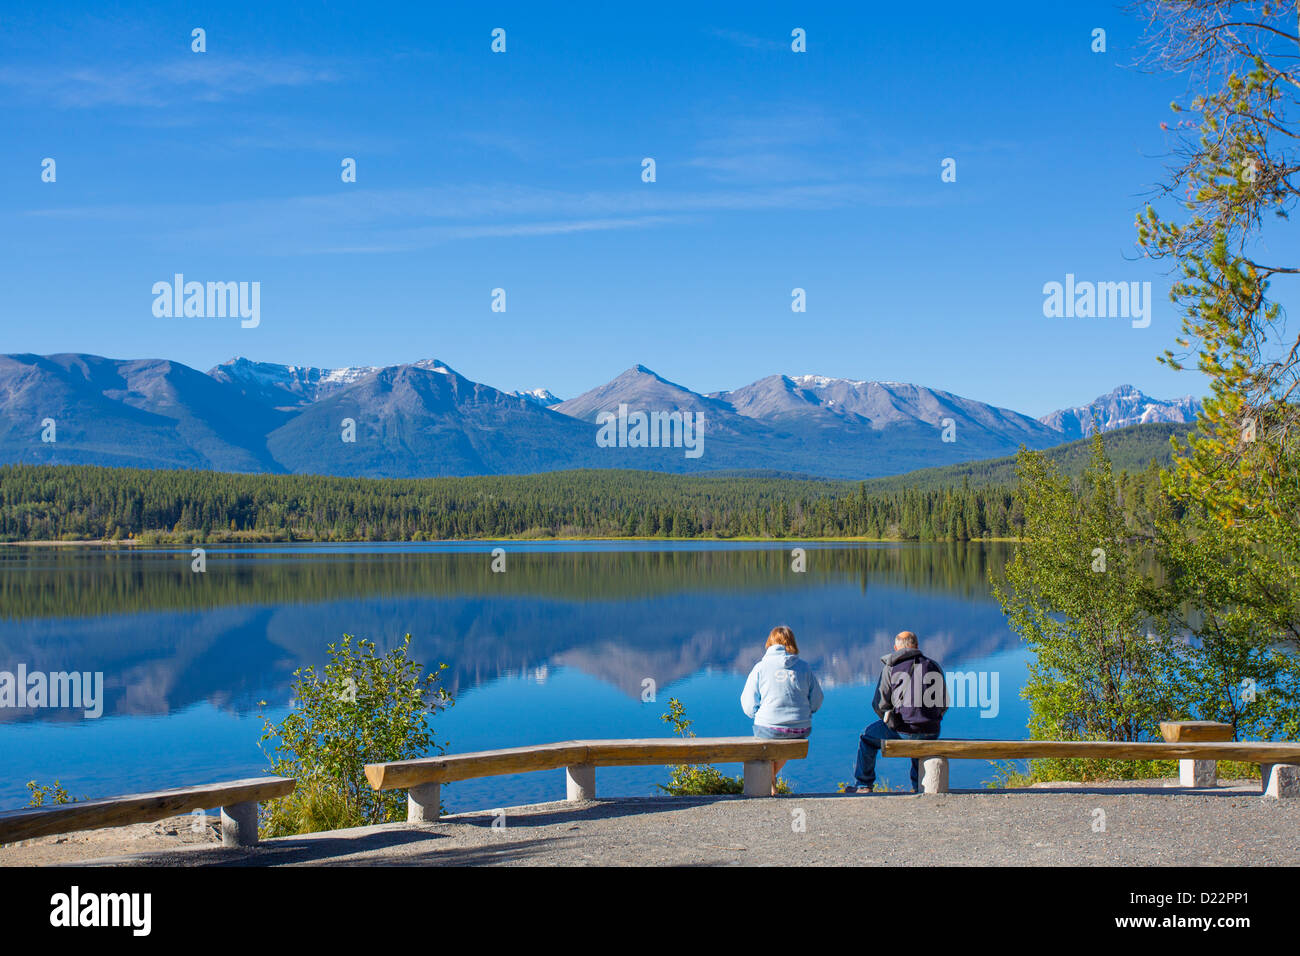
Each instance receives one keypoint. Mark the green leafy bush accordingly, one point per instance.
(1135, 617)
(363, 708)
(1104, 664)
(691, 780)
(54, 793)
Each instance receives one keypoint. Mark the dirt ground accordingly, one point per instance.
(1141, 823)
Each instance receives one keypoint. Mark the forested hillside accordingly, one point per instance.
(1130, 449)
(53, 502)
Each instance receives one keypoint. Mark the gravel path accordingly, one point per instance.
(1147, 824)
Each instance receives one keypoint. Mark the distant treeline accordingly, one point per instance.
(81, 502)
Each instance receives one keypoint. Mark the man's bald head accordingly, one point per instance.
(904, 641)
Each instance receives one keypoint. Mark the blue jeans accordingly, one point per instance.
(781, 733)
(869, 750)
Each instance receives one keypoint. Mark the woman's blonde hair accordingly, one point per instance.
(784, 636)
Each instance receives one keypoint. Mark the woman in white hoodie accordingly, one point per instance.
(781, 694)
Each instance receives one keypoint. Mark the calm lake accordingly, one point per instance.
(564, 644)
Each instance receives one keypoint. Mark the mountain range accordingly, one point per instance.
(1123, 407)
(426, 419)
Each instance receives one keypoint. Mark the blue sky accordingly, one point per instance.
(522, 171)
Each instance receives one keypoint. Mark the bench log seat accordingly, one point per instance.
(1196, 773)
(422, 778)
(238, 800)
(1280, 762)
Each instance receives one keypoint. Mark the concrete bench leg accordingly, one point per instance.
(934, 774)
(424, 803)
(1198, 773)
(580, 781)
(1281, 779)
(239, 824)
(758, 778)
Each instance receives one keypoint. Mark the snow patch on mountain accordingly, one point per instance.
(822, 381)
(1120, 408)
(296, 385)
(539, 396)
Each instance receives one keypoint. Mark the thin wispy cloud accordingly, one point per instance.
(751, 42)
(791, 142)
(520, 147)
(407, 240)
(198, 78)
(790, 125)
(766, 166)
(399, 219)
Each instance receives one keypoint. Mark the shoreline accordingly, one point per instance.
(136, 542)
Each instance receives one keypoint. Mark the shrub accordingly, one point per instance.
(690, 780)
(364, 708)
(1104, 664)
(54, 793)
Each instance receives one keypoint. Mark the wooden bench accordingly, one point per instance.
(238, 800)
(1196, 773)
(1280, 761)
(422, 779)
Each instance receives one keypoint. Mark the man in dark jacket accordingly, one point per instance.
(911, 699)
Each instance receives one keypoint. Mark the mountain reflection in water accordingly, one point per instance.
(587, 626)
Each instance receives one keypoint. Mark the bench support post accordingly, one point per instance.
(758, 778)
(239, 824)
(934, 774)
(580, 781)
(1280, 779)
(1198, 773)
(424, 803)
